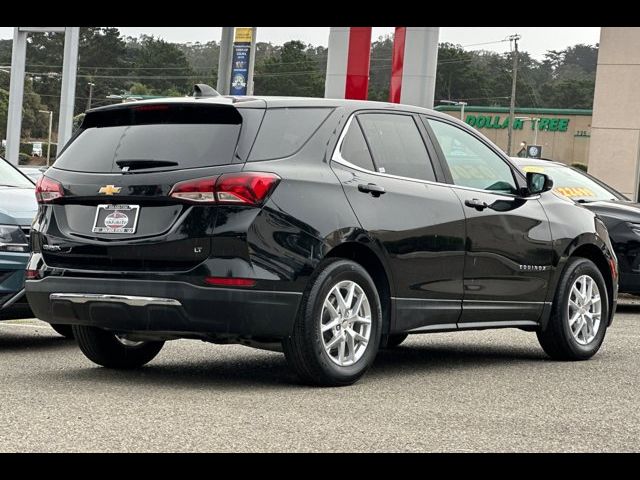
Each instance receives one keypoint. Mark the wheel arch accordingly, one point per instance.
(596, 255)
(365, 256)
(591, 247)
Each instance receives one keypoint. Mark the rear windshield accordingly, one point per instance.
(154, 138)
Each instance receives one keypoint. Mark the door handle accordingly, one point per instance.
(372, 188)
(477, 204)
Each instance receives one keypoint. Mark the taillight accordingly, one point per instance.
(200, 190)
(32, 274)
(48, 190)
(245, 188)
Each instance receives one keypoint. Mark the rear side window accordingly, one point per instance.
(354, 148)
(152, 136)
(397, 145)
(285, 130)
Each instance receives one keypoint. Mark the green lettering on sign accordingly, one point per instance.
(498, 122)
(563, 124)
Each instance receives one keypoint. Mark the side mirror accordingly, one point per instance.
(538, 183)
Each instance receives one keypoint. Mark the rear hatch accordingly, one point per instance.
(112, 184)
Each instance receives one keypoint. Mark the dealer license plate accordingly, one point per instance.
(116, 218)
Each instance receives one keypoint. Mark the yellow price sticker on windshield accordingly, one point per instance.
(531, 168)
(574, 192)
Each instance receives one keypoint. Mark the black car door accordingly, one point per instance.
(384, 165)
(508, 238)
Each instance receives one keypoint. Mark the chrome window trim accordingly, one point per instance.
(337, 157)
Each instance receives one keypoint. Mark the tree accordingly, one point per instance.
(380, 68)
(291, 70)
(160, 65)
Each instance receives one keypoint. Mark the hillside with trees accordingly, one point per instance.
(146, 65)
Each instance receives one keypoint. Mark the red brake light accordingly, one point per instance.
(48, 190)
(147, 108)
(245, 188)
(32, 274)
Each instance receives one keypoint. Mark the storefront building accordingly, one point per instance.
(563, 134)
(615, 152)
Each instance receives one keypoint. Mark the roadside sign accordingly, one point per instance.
(36, 149)
(534, 151)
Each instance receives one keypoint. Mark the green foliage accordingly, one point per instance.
(148, 55)
(292, 70)
(380, 68)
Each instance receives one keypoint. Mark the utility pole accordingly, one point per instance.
(252, 61)
(512, 106)
(91, 85)
(224, 61)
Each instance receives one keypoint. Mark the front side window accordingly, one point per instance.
(397, 145)
(471, 162)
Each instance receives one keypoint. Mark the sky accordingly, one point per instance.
(535, 40)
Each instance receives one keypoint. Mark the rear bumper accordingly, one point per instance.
(163, 306)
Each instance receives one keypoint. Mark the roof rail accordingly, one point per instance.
(204, 90)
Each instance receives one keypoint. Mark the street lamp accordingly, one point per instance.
(50, 125)
(535, 121)
(457, 104)
(91, 85)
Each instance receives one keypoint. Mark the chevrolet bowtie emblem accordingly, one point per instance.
(109, 189)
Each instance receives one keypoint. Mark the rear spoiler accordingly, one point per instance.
(159, 112)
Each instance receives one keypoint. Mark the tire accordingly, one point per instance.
(558, 339)
(305, 349)
(65, 330)
(396, 339)
(104, 348)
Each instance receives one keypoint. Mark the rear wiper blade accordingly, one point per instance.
(128, 165)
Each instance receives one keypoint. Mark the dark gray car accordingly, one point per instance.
(18, 206)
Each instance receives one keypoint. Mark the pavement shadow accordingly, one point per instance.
(435, 358)
(628, 308)
(13, 341)
(271, 370)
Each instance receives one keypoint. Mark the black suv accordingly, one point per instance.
(323, 228)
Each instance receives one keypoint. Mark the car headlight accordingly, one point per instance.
(12, 239)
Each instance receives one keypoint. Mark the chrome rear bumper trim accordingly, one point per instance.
(126, 299)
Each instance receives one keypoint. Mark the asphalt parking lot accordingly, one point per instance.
(474, 391)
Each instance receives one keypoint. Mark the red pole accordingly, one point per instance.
(357, 81)
(397, 64)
